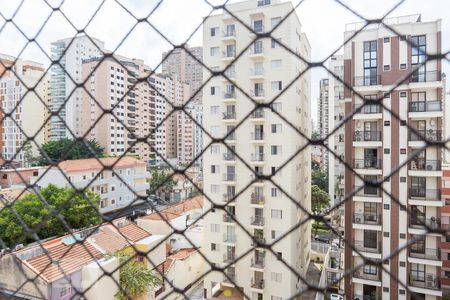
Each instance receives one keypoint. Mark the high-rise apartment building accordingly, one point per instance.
(381, 224)
(113, 85)
(335, 118)
(65, 97)
(265, 141)
(27, 109)
(323, 111)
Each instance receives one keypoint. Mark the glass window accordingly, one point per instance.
(370, 239)
(418, 272)
(370, 63)
(370, 269)
(275, 21)
(275, 64)
(214, 51)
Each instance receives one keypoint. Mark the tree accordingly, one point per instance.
(320, 179)
(161, 182)
(320, 200)
(67, 149)
(135, 279)
(74, 207)
(315, 166)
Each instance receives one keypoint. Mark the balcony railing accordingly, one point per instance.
(425, 194)
(366, 80)
(425, 253)
(432, 223)
(257, 199)
(231, 137)
(254, 177)
(258, 283)
(257, 114)
(427, 281)
(229, 115)
(257, 72)
(229, 95)
(229, 257)
(258, 240)
(258, 221)
(229, 177)
(368, 191)
(258, 262)
(256, 50)
(425, 106)
(231, 277)
(229, 33)
(425, 135)
(426, 76)
(368, 108)
(367, 163)
(257, 93)
(227, 218)
(368, 276)
(425, 165)
(229, 54)
(367, 247)
(367, 136)
(229, 157)
(366, 218)
(367, 297)
(257, 136)
(229, 238)
(231, 74)
(257, 157)
(228, 197)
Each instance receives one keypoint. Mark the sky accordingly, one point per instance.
(323, 21)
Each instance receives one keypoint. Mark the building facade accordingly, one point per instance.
(391, 151)
(264, 141)
(27, 109)
(65, 98)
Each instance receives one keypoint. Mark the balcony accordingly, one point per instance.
(257, 181)
(427, 76)
(428, 281)
(257, 136)
(230, 199)
(230, 74)
(258, 240)
(430, 224)
(258, 114)
(226, 218)
(421, 164)
(257, 284)
(256, 52)
(367, 297)
(257, 29)
(367, 219)
(367, 193)
(229, 258)
(229, 35)
(229, 238)
(425, 106)
(229, 177)
(257, 157)
(368, 109)
(229, 96)
(430, 135)
(361, 246)
(229, 116)
(257, 95)
(425, 194)
(256, 73)
(228, 55)
(230, 278)
(367, 80)
(229, 156)
(257, 221)
(367, 276)
(258, 262)
(367, 163)
(231, 137)
(426, 253)
(257, 199)
(367, 136)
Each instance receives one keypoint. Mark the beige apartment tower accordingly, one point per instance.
(377, 143)
(264, 141)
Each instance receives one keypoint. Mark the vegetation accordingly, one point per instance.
(73, 207)
(320, 200)
(320, 179)
(67, 149)
(135, 279)
(161, 182)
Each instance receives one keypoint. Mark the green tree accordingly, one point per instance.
(135, 279)
(67, 149)
(320, 179)
(320, 200)
(75, 208)
(161, 182)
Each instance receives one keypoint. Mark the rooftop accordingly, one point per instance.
(179, 255)
(100, 163)
(415, 18)
(177, 210)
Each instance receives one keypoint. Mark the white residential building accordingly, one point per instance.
(65, 99)
(265, 142)
(118, 188)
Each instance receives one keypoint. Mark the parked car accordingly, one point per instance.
(322, 238)
(336, 297)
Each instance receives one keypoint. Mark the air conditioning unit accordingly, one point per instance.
(429, 167)
(357, 220)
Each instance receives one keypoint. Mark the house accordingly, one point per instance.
(119, 181)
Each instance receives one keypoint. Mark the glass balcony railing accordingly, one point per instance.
(367, 136)
(425, 106)
(367, 163)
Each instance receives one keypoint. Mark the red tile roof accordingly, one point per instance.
(177, 210)
(99, 163)
(179, 255)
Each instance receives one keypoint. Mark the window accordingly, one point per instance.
(275, 298)
(275, 43)
(386, 40)
(275, 149)
(214, 31)
(215, 188)
(418, 56)
(258, 26)
(402, 66)
(214, 90)
(214, 51)
(215, 169)
(276, 128)
(386, 67)
(215, 110)
(276, 85)
(274, 192)
(213, 247)
(276, 214)
(276, 107)
(370, 63)
(370, 269)
(275, 276)
(215, 228)
(215, 131)
(263, 2)
(275, 64)
(275, 21)
(418, 272)
(370, 239)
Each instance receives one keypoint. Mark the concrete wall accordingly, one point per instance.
(102, 287)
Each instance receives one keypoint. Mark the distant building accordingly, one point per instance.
(126, 184)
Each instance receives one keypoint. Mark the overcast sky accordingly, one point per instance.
(323, 21)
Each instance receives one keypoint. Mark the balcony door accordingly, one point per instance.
(370, 131)
(418, 186)
(418, 215)
(370, 212)
(370, 158)
(418, 101)
(370, 239)
(419, 244)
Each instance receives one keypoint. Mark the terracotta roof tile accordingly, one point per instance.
(179, 255)
(177, 210)
(133, 232)
(94, 164)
